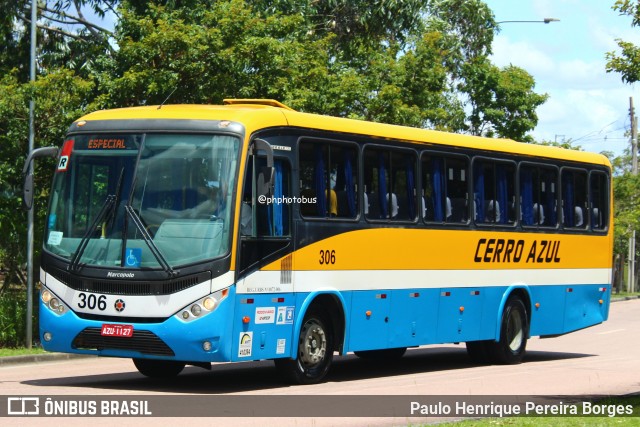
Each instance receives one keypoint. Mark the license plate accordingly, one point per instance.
(124, 331)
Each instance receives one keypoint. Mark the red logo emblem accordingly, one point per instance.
(119, 305)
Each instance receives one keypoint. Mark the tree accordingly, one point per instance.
(65, 37)
(60, 98)
(420, 63)
(627, 62)
(626, 184)
(502, 101)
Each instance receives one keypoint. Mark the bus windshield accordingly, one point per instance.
(142, 200)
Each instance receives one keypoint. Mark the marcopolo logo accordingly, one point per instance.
(118, 275)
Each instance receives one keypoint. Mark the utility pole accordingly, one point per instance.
(634, 170)
(32, 78)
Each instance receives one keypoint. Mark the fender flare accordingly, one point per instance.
(309, 299)
(503, 302)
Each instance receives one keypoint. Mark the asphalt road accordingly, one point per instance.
(602, 360)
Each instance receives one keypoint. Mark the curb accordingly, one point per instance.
(618, 299)
(52, 357)
(38, 358)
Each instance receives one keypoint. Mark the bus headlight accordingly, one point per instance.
(52, 302)
(203, 306)
(46, 296)
(210, 303)
(196, 310)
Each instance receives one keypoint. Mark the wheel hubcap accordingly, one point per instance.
(514, 331)
(313, 346)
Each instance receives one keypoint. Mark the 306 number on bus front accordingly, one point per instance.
(327, 257)
(92, 301)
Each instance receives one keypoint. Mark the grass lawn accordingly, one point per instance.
(20, 351)
(576, 421)
(625, 294)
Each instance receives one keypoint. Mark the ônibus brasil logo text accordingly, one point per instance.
(120, 275)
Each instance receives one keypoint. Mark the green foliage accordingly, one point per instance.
(626, 208)
(627, 62)
(60, 97)
(420, 63)
(13, 317)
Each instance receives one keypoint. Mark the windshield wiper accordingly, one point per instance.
(104, 210)
(149, 241)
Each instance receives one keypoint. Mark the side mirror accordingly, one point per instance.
(265, 181)
(27, 192)
(265, 176)
(27, 186)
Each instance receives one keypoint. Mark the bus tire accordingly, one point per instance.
(158, 368)
(384, 354)
(514, 330)
(315, 351)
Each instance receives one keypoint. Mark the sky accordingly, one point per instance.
(567, 59)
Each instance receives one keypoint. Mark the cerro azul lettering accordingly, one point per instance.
(513, 251)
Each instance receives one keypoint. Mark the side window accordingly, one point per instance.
(328, 179)
(272, 214)
(599, 200)
(574, 198)
(390, 184)
(444, 183)
(493, 192)
(538, 196)
(91, 191)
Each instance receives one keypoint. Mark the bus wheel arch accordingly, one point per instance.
(316, 337)
(513, 332)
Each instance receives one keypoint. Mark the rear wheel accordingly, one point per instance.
(315, 351)
(158, 368)
(514, 330)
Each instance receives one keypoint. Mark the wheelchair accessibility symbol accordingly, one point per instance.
(133, 257)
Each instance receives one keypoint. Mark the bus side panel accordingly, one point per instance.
(414, 315)
(263, 326)
(369, 322)
(491, 312)
(460, 314)
(586, 305)
(547, 304)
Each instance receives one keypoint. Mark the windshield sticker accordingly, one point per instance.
(55, 238)
(246, 338)
(134, 257)
(52, 220)
(65, 155)
(106, 144)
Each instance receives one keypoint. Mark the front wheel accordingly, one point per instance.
(315, 351)
(158, 368)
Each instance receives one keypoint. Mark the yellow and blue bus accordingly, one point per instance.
(185, 235)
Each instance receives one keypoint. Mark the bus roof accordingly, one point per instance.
(257, 114)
